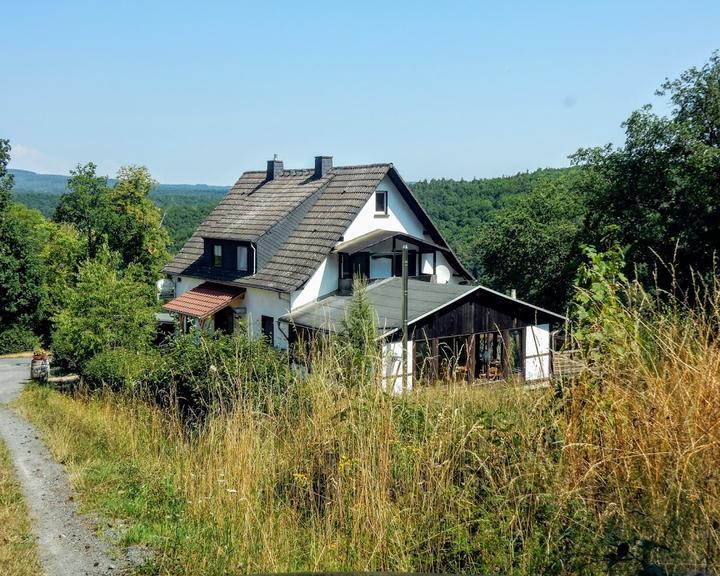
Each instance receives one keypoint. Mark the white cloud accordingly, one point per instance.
(29, 158)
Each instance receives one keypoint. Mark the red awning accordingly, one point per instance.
(204, 300)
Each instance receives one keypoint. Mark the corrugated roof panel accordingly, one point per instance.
(385, 296)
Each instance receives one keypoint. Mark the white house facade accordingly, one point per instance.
(279, 253)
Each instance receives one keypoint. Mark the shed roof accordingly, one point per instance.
(385, 297)
(204, 300)
(424, 299)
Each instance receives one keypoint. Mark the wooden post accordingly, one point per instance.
(404, 312)
(471, 358)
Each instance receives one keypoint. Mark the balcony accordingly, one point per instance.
(378, 254)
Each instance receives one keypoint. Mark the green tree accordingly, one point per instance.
(136, 230)
(533, 242)
(121, 217)
(658, 195)
(21, 270)
(63, 252)
(360, 331)
(86, 206)
(104, 311)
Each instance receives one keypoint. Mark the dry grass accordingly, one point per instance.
(643, 429)
(448, 479)
(18, 553)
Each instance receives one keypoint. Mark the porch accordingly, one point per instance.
(209, 307)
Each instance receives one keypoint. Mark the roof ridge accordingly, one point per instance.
(298, 171)
(372, 165)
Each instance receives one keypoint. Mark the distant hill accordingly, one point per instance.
(458, 207)
(34, 183)
(184, 206)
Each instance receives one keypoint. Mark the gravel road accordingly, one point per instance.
(66, 541)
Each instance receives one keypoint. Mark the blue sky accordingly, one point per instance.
(201, 91)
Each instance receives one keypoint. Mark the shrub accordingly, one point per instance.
(120, 369)
(358, 341)
(17, 339)
(211, 372)
(104, 311)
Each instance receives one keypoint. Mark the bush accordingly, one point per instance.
(17, 339)
(105, 311)
(211, 372)
(120, 369)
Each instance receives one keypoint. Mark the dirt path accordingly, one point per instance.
(66, 542)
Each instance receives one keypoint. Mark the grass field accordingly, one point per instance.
(18, 553)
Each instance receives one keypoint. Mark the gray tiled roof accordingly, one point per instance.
(295, 219)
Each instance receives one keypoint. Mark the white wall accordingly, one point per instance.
(323, 281)
(392, 366)
(260, 303)
(537, 352)
(400, 218)
(185, 283)
(444, 271)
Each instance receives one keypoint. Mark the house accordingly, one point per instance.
(279, 253)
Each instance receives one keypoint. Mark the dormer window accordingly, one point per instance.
(217, 255)
(242, 258)
(381, 202)
(230, 255)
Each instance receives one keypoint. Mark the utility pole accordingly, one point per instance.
(404, 316)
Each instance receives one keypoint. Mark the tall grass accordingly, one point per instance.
(617, 470)
(643, 427)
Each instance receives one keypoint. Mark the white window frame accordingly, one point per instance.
(243, 249)
(386, 198)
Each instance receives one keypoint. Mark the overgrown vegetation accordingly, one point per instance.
(18, 553)
(616, 471)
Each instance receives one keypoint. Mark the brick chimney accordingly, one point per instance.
(323, 164)
(274, 168)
